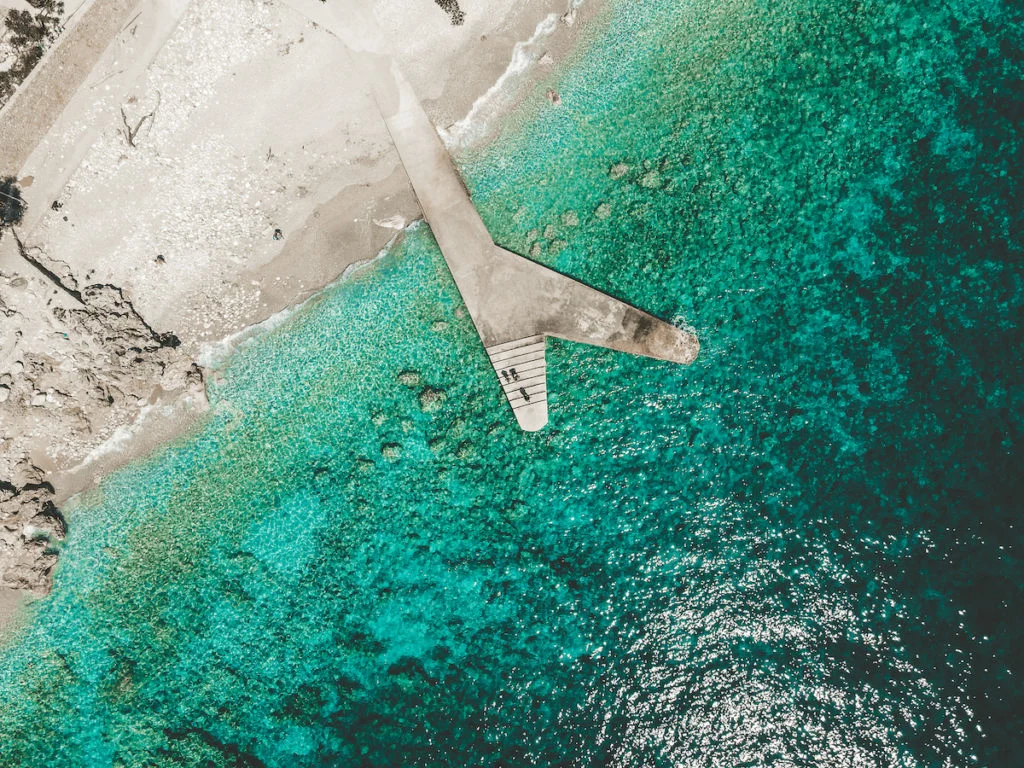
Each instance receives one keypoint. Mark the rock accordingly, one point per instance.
(432, 399)
(30, 527)
(85, 365)
(410, 378)
(553, 96)
(618, 170)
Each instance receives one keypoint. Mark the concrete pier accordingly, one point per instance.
(514, 302)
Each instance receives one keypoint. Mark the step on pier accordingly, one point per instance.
(522, 373)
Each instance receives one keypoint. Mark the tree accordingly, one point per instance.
(12, 205)
(28, 34)
(451, 7)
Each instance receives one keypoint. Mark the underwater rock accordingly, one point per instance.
(432, 399)
(603, 211)
(618, 170)
(553, 96)
(535, 250)
(571, 219)
(391, 451)
(466, 450)
(557, 246)
(651, 180)
(410, 378)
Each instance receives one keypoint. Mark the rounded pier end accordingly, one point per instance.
(655, 338)
(674, 344)
(532, 417)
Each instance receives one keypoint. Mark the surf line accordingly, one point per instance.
(525, 54)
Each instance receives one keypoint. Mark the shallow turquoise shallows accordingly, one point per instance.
(803, 550)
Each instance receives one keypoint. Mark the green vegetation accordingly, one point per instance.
(12, 206)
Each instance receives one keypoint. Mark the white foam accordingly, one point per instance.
(525, 54)
(392, 222)
(118, 440)
(214, 354)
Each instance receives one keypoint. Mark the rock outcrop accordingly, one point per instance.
(31, 527)
(76, 364)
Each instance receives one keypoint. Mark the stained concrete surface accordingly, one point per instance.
(514, 302)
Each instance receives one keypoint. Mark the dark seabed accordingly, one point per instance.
(801, 551)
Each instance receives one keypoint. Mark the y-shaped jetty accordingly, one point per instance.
(514, 302)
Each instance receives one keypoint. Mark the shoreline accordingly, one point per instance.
(319, 224)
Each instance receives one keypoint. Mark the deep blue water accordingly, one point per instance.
(803, 550)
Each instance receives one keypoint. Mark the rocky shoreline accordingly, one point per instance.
(103, 362)
(109, 293)
(31, 527)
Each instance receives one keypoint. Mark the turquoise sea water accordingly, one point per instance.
(801, 551)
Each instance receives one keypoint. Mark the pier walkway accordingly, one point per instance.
(514, 302)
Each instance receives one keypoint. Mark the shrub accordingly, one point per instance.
(12, 205)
